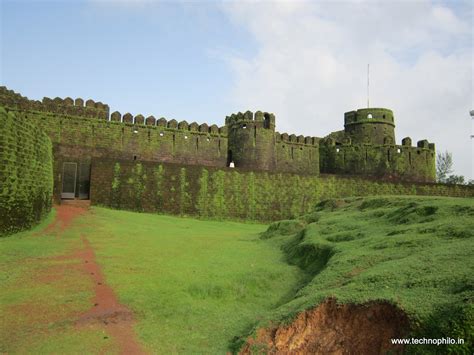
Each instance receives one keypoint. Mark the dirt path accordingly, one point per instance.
(106, 311)
(65, 214)
(115, 317)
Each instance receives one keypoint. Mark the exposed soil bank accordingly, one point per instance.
(333, 328)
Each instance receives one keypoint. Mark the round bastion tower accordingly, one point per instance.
(251, 140)
(370, 126)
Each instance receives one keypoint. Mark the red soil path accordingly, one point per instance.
(116, 319)
(64, 216)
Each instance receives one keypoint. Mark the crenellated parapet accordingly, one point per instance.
(370, 125)
(301, 140)
(67, 106)
(172, 124)
(248, 140)
(369, 115)
(258, 119)
(390, 160)
(254, 144)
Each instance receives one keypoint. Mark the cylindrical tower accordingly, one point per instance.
(370, 125)
(251, 140)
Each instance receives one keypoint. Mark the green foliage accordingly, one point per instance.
(216, 193)
(455, 180)
(444, 165)
(26, 173)
(218, 203)
(158, 173)
(183, 194)
(203, 194)
(415, 252)
(251, 198)
(115, 195)
(285, 227)
(137, 186)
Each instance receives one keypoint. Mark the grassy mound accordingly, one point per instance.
(414, 252)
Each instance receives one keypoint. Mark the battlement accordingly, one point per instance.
(67, 106)
(293, 138)
(172, 124)
(92, 109)
(406, 143)
(369, 115)
(84, 129)
(262, 119)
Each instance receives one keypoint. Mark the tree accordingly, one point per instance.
(444, 166)
(455, 180)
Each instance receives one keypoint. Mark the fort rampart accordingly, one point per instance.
(276, 171)
(26, 167)
(229, 193)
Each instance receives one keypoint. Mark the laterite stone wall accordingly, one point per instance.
(233, 193)
(26, 173)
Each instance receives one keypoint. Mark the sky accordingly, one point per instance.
(305, 61)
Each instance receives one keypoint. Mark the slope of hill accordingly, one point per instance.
(381, 267)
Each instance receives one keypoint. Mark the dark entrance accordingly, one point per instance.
(69, 180)
(76, 181)
(84, 182)
(229, 157)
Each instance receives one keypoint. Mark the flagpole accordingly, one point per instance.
(368, 67)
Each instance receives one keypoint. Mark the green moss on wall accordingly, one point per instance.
(202, 205)
(230, 193)
(26, 173)
(158, 173)
(115, 195)
(137, 181)
(184, 198)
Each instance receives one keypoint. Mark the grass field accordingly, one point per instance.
(192, 285)
(203, 286)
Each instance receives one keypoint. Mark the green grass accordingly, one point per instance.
(36, 311)
(203, 286)
(416, 252)
(193, 285)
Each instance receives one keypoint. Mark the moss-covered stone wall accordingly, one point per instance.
(232, 193)
(26, 173)
(396, 162)
(297, 154)
(370, 125)
(254, 145)
(81, 131)
(367, 147)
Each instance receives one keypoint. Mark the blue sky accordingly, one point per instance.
(165, 61)
(304, 61)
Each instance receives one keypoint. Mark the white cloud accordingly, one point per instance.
(311, 63)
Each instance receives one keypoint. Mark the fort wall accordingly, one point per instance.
(211, 192)
(394, 162)
(297, 154)
(26, 169)
(81, 135)
(82, 130)
(254, 145)
(370, 125)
